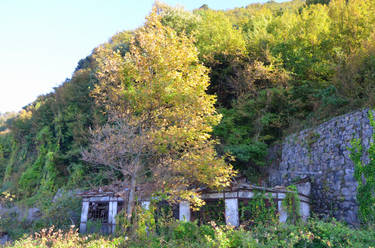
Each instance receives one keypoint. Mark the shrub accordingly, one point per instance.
(313, 234)
(51, 238)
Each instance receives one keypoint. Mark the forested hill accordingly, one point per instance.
(275, 68)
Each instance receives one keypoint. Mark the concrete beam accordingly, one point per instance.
(245, 194)
(99, 199)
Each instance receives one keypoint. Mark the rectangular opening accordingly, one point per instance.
(261, 208)
(165, 209)
(97, 219)
(213, 210)
(98, 211)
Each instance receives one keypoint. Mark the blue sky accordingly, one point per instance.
(42, 40)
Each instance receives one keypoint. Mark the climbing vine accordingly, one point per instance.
(291, 204)
(211, 211)
(365, 176)
(260, 209)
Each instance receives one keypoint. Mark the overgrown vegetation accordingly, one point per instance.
(62, 212)
(364, 174)
(261, 209)
(274, 68)
(291, 204)
(315, 234)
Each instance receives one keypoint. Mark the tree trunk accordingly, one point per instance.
(131, 197)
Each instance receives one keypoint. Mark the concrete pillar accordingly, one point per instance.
(231, 212)
(283, 215)
(112, 212)
(145, 205)
(305, 189)
(84, 214)
(184, 211)
(304, 211)
(110, 217)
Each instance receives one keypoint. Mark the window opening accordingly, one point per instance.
(98, 211)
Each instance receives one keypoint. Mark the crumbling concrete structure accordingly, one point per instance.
(103, 206)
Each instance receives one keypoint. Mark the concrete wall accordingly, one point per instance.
(321, 153)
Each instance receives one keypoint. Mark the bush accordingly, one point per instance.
(313, 234)
(49, 238)
(62, 212)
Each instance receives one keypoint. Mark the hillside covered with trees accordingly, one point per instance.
(272, 69)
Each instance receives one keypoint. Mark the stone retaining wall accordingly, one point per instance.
(321, 153)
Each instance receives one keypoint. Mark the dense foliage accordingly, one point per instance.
(274, 67)
(315, 234)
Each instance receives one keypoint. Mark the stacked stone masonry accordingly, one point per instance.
(322, 154)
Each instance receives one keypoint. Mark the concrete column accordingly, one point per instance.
(283, 215)
(145, 205)
(84, 214)
(112, 212)
(304, 211)
(184, 211)
(110, 218)
(304, 188)
(231, 212)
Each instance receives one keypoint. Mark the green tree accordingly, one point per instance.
(352, 22)
(355, 76)
(177, 18)
(217, 36)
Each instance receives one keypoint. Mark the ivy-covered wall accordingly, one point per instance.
(322, 154)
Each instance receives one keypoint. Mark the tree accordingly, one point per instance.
(355, 77)
(121, 146)
(352, 22)
(217, 36)
(178, 19)
(309, 2)
(161, 87)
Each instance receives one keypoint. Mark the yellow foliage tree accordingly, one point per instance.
(352, 22)
(217, 35)
(161, 84)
